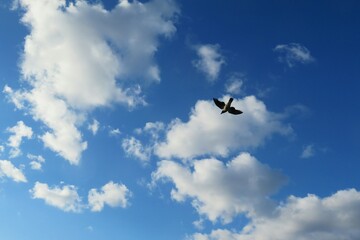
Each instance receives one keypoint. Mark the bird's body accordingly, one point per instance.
(227, 107)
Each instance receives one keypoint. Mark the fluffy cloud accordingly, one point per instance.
(221, 191)
(36, 161)
(208, 132)
(78, 56)
(7, 169)
(19, 131)
(112, 194)
(210, 60)
(293, 53)
(65, 198)
(309, 218)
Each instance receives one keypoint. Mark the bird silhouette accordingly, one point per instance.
(227, 107)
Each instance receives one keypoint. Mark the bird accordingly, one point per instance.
(227, 107)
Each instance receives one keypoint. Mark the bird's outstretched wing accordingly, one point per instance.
(232, 110)
(218, 103)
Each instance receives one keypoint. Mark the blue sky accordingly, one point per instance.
(108, 129)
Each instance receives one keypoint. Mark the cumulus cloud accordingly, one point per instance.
(293, 53)
(209, 133)
(210, 60)
(79, 56)
(19, 131)
(65, 198)
(222, 191)
(308, 218)
(7, 169)
(112, 194)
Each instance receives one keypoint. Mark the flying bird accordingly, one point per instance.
(227, 107)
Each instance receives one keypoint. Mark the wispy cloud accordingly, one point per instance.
(235, 84)
(2, 149)
(19, 131)
(94, 126)
(293, 53)
(308, 151)
(114, 132)
(133, 147)
(209, 60)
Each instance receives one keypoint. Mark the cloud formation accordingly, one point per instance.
(234, 84)
(65, 198)
(19, 131)
(209, 60)
(94, 126)
(112, 194)
(308, 151)
(36, 161)
(293, 53)
(222, 191)
(7, 169)
(209, 133)
(79, 56)
(133, 147)
(308, 218)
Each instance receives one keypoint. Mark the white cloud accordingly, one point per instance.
(114, 132)
(65, 198)
(94, 127)
(112, 194)
(35, 165)
(222, 191)
(154, 129)
(308, 151)
(37, 161)
(293, 53)
(309, 218)
(210, 60)
(133, 147)
(209, 132)
(234, 84)
(7, 169)
(19, 131)
(78, 56)
(2, 148)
